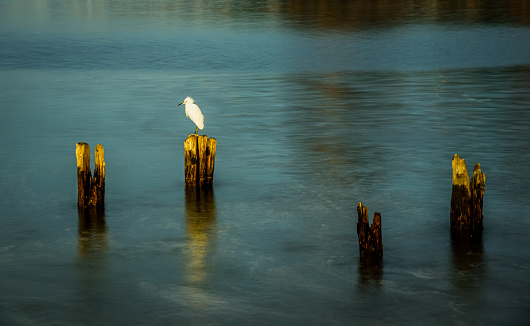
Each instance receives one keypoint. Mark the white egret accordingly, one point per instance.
(194, 113)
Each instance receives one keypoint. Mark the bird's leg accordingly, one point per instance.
(197, 131)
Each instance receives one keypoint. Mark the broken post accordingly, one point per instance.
(370, 237)
(199, 160)
(466, 201)
(90, 190)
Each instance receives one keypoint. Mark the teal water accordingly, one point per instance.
(316, 106)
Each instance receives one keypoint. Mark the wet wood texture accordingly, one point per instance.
(90, 189)
(199, 160)
(466, 201)
(370, 237)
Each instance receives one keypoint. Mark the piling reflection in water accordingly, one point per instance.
(91, 264)
(321, 14)
(370, 273)
(200, 222)
(467, 264)
(92, 230)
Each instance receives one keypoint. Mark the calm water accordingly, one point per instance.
(316, 106)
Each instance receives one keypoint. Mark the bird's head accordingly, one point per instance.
(187, 100)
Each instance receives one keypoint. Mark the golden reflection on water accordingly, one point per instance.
(200, 221)
(322, 14)
(92, 230)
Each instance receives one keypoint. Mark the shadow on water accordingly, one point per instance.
(92, 230)
(201, 218)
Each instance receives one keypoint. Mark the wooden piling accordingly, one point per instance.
(199, 160)
(98, 182)
(190, 159)
(466, 201)
(478, 182)
(201, 167)
(90, 190)
(84, 176)
(370, 237)
(211, 147)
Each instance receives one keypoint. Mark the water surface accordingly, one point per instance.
(316, 107)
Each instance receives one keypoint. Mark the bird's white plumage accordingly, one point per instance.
(194, 112)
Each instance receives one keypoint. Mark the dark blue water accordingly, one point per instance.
(315, 106)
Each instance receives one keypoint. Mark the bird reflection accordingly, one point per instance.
(200, 221)
(92, 230)
(467, 263)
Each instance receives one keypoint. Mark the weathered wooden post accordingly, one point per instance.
(466, 201)
(97, 197)
(90, 190)
(199, 160)
(190, 159)
(211, 147)
(84, 176)
(478, 182)
(370, 237)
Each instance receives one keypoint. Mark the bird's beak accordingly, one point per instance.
(181, 103)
